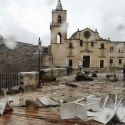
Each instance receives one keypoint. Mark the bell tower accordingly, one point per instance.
(59, 24)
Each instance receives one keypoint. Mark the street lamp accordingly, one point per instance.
(39, 48)
(52, 65)
(80, 65)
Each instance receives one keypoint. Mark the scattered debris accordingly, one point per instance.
(71, 84)
(46, 102)
(16, 101)
(13, 101)
(81, 76)
(73, 110)
(121, 113)
(31, 104)
(4, 107)
(87, 72)
(108, 76)
(106, 114)
(93, 110)
(112, 77)
(79, 109)
(94, 74)
(78, 106)
(93, 103)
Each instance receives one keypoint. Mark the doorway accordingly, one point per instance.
(86, 61)
(70, 63)
(101, 63)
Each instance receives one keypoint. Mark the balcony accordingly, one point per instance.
(86, 50)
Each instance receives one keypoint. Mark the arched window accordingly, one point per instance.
(59, 19)
(59, 38)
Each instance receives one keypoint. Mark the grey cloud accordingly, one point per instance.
(113, 24)
(45, 39)
(21, 34)
(121, 27)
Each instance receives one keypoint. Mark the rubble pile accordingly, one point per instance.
(68, 102)
(92, 110)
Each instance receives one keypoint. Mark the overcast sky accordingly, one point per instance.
(26, 20)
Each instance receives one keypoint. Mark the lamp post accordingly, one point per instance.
(80, 66)
(39, 48)
(52, 64)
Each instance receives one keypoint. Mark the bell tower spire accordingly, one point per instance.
(59, 24)
(59, 5)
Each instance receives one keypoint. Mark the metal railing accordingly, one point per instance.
(9, 80)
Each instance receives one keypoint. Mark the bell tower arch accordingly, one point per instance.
(58, 26)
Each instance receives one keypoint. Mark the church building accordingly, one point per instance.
(85, 48)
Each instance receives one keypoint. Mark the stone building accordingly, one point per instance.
(85, 48)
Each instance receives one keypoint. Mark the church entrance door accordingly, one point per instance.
(86, 61)
(101, 63)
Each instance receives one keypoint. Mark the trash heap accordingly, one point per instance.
(102, 110)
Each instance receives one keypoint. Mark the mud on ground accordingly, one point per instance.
(62, 92)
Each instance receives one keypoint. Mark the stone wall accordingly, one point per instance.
(29, 79)
(24, 58)
(56, 72)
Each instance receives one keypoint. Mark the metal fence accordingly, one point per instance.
(9, 80)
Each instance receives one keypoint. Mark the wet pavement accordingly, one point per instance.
(38, 117)
(60, 91)
(25, 117)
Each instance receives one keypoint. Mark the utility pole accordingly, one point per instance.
(39, 60)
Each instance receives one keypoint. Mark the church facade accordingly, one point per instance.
(85, 48)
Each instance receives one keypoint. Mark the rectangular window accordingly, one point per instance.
(86, 46)
(81, 42)
(120, 50)
(92, 44)
(120, 61)
(70, 45)
(70, 63)
(111, 61)
(101, 63)
(102, 53)
(70, 53)
(102, 45)
(111, 49)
